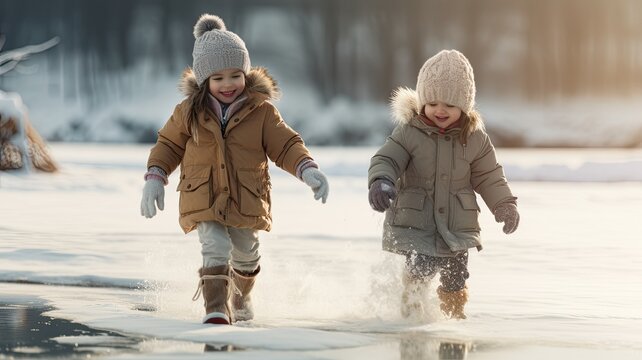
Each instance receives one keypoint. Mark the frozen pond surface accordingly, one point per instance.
(565, 285)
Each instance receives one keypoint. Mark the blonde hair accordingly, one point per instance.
(471, 122)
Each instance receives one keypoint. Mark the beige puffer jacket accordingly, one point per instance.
(225, 177)
(436, 175)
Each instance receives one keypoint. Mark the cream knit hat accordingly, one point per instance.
(447, 77)
(216, 48)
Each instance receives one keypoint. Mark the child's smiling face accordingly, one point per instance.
(226, 85)
(441, 113)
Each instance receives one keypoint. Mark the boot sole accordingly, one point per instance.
(216, 318)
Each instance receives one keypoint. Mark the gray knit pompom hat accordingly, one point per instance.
(447, 77)
(216, 49)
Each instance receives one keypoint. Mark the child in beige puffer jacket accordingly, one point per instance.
(222, 136)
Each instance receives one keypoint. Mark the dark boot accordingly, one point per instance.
(452, 303)
(241, 300)
(216, 283)
(413, 296)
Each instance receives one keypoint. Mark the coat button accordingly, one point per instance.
(236, 120)
(441, 210)
(189, 186)
(225, 188)
(444, 177)
(222, 166)
(447, 137)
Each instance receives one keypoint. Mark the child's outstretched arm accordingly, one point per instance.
(164, 158)
(285, 147)
(487, 178)
(385, 167)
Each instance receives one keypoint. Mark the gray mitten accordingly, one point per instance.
(315, 179)
(507, 213)
(382, 192)
(154, 191)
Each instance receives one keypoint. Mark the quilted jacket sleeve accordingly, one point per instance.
(391, 159)
(168, 152)
(282, 144)
(487, 176)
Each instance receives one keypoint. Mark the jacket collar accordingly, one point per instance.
(431, 128)
(217, 108)
(432, 125)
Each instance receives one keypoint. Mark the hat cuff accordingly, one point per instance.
(448, 97)
(207, 65)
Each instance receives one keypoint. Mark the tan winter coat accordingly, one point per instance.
(436, 175)
(225, 178)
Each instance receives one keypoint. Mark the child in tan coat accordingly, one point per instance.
(222, 136)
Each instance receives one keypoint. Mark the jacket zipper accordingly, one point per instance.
(452, 154)
(224, 123)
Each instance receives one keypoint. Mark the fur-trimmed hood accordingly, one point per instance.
(257, 80)
(404, 105)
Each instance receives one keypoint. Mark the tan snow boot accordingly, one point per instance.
(215, 283)
(241, 300)
(413, 296)
(452, 303)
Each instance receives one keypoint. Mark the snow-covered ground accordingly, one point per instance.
(565, 285)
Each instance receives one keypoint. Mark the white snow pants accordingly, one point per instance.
(226, 245)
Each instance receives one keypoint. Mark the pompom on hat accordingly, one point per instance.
(216, 49)
(447, 77)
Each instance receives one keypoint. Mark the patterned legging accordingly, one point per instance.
(453, 271)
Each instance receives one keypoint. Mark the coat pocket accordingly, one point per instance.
(195, 189)
(253, 193)
(466, 214)
(410, 210)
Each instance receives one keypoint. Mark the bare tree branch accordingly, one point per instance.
(10, 59)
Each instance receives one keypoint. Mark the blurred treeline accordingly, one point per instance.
(357, 49)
